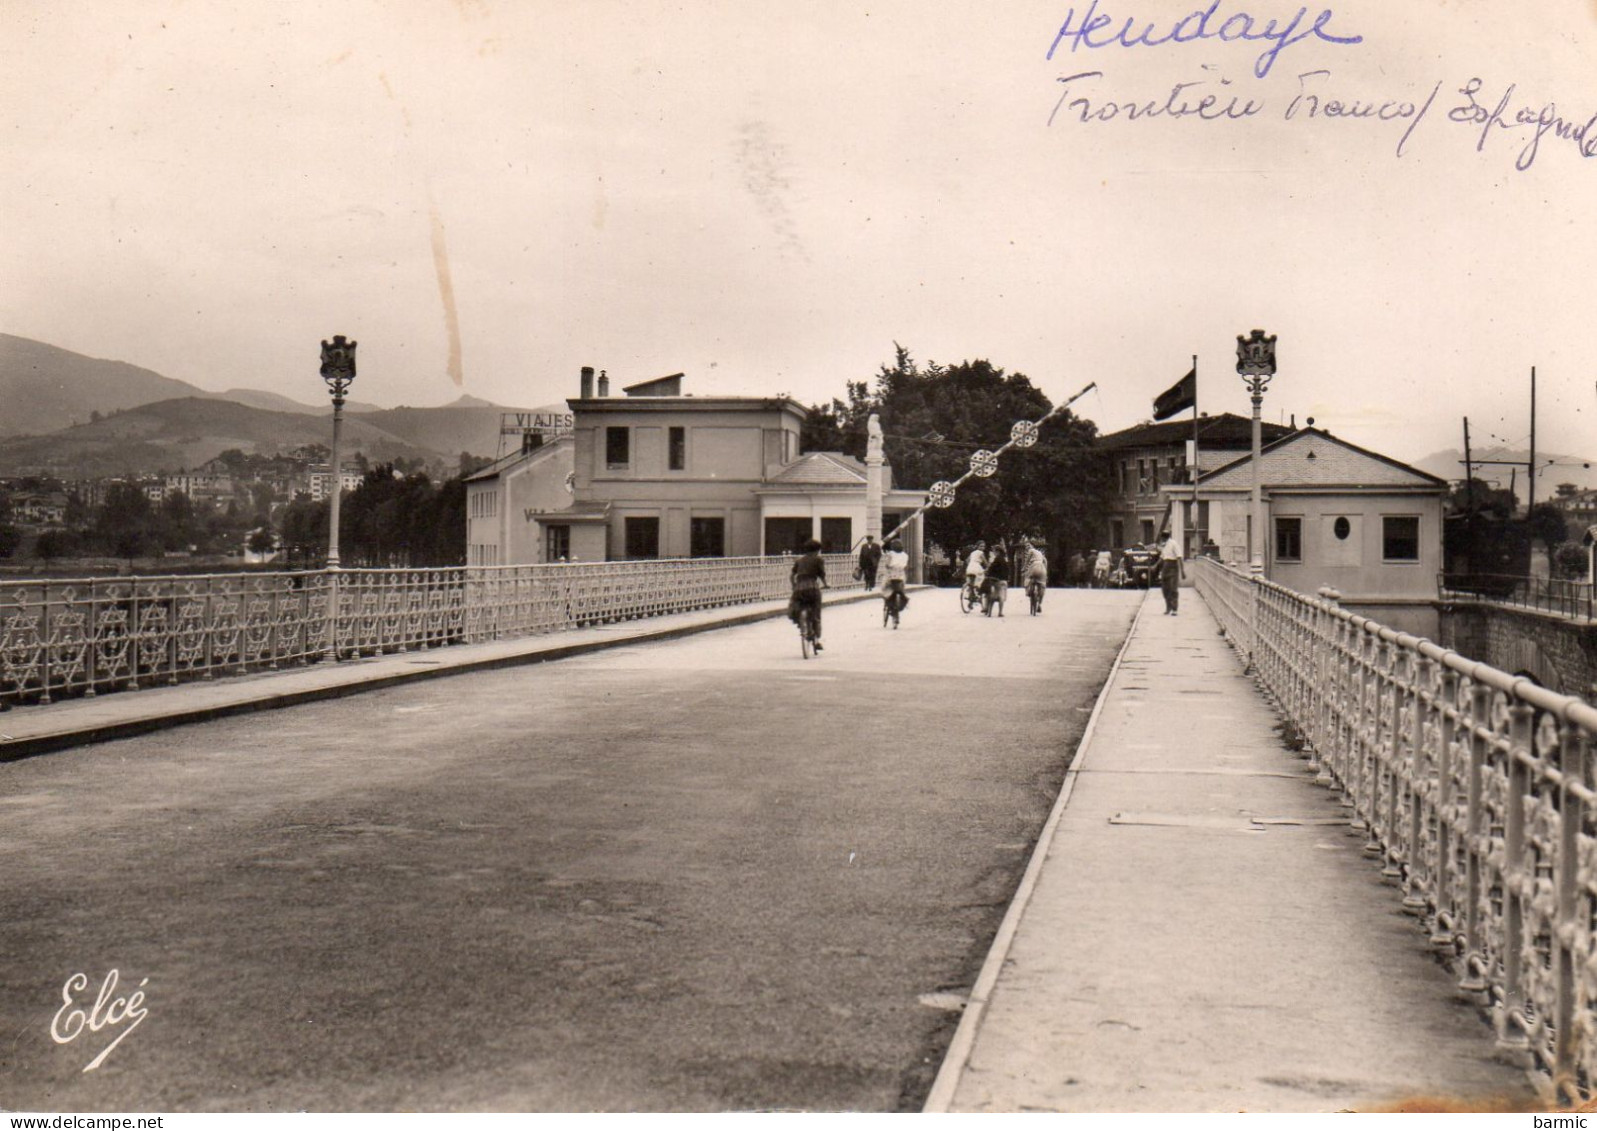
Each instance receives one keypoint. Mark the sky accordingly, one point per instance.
(489, 195)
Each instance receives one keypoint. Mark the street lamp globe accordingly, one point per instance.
(338, 366)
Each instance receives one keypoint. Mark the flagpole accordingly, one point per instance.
(1195, 529)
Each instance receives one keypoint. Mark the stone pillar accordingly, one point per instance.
(874, 486)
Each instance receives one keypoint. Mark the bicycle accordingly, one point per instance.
(969, 595)
(893, 602)
(806, 627)
(1034, 591)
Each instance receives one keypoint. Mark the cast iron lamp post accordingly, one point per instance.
(338, 370)
(1256, 365)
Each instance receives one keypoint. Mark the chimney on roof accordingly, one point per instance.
(587, 381)
(604, 382)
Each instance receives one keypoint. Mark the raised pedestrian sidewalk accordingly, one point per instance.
(29, 730)
(1198, 930)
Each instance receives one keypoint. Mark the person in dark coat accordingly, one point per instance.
(870, 556)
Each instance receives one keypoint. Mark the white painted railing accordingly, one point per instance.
(1472, 788)
(85, 637)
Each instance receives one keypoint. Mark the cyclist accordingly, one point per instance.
(1034, 569)
(895, 569)
(997, 580)
(976, 567)
(809, 578)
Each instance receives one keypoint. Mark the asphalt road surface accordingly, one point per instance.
(702, 874)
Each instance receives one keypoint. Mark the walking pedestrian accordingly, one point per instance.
(870, 556)
(1170, 575)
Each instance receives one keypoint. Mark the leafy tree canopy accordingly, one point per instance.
(935, 416)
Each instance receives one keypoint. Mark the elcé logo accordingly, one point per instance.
(109, 1011)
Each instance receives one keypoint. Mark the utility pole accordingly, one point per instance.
(1469, 474)
(1530, 479)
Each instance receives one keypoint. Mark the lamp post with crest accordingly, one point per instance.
(1256, 365)
(338, 370)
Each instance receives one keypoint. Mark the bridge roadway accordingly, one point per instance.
(707, 874)
(698, 873)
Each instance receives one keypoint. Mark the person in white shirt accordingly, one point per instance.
(1034, 569)
(1170, 575)
(895, 573)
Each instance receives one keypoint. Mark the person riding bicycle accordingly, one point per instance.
(1034, 569)
(809, 578)
(976, 567)
(895, 569)
(996, 581)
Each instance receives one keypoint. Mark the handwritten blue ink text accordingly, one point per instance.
(1096, 30)
(1209, 107)
(1541, 122)
(1312, 102)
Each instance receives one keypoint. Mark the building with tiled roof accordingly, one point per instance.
(658, 474)
(1336, 515)
(1148, 457)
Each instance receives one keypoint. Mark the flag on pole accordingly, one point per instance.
(1183, 394)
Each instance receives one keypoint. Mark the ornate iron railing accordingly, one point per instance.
(1471, 787)
(85, 637)
(1545, 594)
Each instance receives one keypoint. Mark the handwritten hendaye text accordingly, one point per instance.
(1097, 30)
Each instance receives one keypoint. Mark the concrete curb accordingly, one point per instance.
(952, 1071)
(538, 651)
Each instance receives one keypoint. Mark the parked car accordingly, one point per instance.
(1141, 566)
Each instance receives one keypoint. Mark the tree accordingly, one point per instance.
(1548, 525)
(1571, 560)
(53, 544)
(935, 417)
(125, 524)
(176, 525)
(304, 530)
(261, 541)
(1479, 497)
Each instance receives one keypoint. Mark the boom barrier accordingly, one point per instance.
(1472, 788)
(89, 636)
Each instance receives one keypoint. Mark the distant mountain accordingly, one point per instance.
(1552, 469)
(52, 395)
(276, 402)
(173, 434)
(468, 425)
(45, 388)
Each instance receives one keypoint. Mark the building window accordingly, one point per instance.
(1342, 528)
(707, 537)
(1117, 534)
(1147, 531)
(1400, 538)
(617, 448)
(678, 449)
(1153, 472)
(643, 536)
(1289, 539)
(1142, 477)
(837, 535)
(786, 535)
(557, 543)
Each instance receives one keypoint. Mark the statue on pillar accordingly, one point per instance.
(874, 485)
